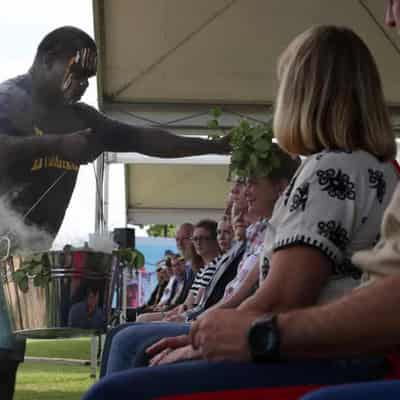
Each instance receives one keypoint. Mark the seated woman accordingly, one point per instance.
(260, 194)
(225, 237)
(206, 246)
(330, 108)
(224, 234)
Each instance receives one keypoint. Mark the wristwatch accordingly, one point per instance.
(264, 339)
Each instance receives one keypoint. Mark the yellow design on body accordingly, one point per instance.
(52, 161)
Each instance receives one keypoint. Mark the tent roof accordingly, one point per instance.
(167, 63)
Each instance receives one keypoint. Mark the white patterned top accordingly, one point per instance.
(334, 203)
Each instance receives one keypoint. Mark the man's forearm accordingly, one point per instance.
(157, 142)
(363, 322)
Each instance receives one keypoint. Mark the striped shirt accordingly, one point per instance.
(203, 278)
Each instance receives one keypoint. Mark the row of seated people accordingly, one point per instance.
(308, 241)
(221, 268)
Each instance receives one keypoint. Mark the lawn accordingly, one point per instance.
(47, 381)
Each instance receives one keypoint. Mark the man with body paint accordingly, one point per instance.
(45, 102)
(38, 113)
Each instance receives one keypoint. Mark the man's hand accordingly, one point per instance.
(80, 147)
(175, 318)
(222, 334)
(224, 144)
(174, 342)
(172, 313)
(169, 356)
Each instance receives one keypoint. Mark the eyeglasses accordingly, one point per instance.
(182, 239)
(198, 239)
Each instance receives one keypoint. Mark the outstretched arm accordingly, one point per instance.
(158, 142)
(363, 322)
(120, 137)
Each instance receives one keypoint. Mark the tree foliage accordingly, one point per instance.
(157, 230)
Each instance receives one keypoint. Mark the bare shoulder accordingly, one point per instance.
(15, 102)
(88, 113)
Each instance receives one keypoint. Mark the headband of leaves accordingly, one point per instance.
(252, 150)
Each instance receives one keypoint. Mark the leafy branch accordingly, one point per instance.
(252, 150)
(130, 257)
(37, 269)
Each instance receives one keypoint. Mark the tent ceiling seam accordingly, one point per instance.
(163, 57)
(377, 23)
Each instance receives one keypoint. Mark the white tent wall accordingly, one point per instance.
(168, 62)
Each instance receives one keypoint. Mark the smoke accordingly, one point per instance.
(24, 238)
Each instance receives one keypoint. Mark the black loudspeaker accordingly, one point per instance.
(124, 237)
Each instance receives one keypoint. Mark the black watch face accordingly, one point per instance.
(263, 340)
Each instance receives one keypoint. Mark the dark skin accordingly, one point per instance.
(53, 109)
(13, 149)
(72, 132)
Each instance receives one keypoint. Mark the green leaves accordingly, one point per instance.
(216, 112)
(132, 257)
(36, 269)
(251, 145)
(252, 150)
(213, 124)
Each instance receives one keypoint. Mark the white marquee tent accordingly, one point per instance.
(168, 62)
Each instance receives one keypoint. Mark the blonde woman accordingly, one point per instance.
(330, 108)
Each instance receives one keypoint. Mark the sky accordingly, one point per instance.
(23, 24)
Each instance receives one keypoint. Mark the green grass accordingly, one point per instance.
(60, 348)
(51, 382)
(45, 381)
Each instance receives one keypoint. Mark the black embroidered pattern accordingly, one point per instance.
(334, 232)
(347, 268)
(307, 240)
(336, 183)
(364, 220)
(377, 239)
(289, 190)
(377, 182)
(300, 197)
(265, 267)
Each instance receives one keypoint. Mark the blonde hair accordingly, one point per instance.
(330, 96)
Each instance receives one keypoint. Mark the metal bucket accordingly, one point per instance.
(60, 293)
